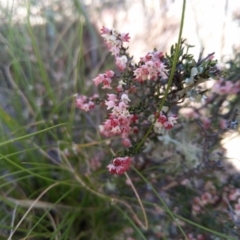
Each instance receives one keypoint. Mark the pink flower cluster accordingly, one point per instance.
(114, 41)
(119, 165)
(163, 122)
(119, 120)
(121, 62)
(84, 103)
(200, 202)
(105, 79)
(167, 122)
(209, 197)
(151, 67)
(223, 87)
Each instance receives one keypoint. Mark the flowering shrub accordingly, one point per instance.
(137, 90)
(141, 159)
(175, 123)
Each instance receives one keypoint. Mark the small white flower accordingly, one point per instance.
(151, 118)
(121, 82)
(123, 58)
(165, 108)
(158, 128)
(125, 98)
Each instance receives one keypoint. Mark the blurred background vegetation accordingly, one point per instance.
(53, 181)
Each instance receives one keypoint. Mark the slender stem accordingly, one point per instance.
(139, 200)
(170, 78)
(30, 208)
